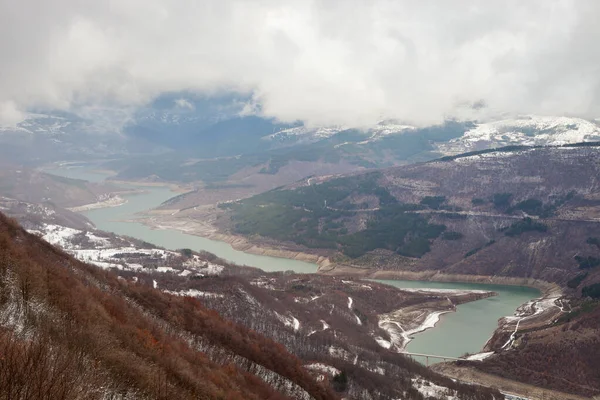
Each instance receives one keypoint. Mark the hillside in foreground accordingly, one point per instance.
(70, 330)
(149, 327)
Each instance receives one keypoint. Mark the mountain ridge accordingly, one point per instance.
(461, 195)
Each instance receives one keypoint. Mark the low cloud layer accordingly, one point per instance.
(323, 62)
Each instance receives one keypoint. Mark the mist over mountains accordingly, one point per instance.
(204, 127)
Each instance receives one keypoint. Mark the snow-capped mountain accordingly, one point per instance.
(44, 124)
(49, 136)
(206, 128)
(300, 135)
(305, 135)
(530, 130)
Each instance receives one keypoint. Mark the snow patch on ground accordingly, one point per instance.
(203, 267)
(399, 337)
(429, 389)
(15, 312)
(323, 368)
(290, 321)
(58, 235)
(377, 370)
(350, 302)
(97, 240)
(106, 265)
(494, 155)
(302, 134)
(386, 344)
(480, 356)
(107, 257)
(267, 283)
(195, 293)
(249, 298)
(340, 353)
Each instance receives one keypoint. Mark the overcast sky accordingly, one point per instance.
(344, 62)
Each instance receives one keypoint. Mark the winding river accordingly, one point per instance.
(465, 331)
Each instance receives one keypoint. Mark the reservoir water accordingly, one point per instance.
(468, 329)
(457, 333)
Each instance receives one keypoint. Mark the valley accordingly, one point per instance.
(329, 323)
(457, 215)
(566, 207)
(123, 221)
(299, 200)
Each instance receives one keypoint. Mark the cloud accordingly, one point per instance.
(9, 114)
(183, 103)
(350, 62)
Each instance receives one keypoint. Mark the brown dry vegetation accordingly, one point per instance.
(373, 371)
(70, 330)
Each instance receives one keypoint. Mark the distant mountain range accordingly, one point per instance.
(529, 130)
(208, 127)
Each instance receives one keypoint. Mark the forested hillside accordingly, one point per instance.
(516, 212)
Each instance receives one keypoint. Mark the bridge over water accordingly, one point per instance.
(428, 356)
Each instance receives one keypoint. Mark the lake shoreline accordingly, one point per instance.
(547, 291)
(403, 324)
(324, 264)
(113, 201)
(203, 222)
(545, 288)
(206, 228)
(176, 188)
